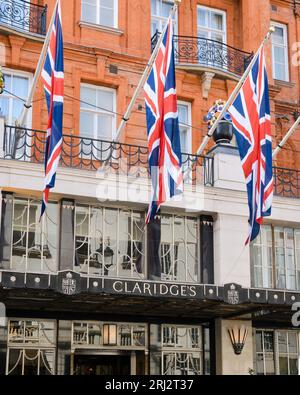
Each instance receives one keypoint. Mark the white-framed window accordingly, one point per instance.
(160, 11)
(211, 24)
(17, 83)
(100, 12)
(34, 245)
(97, 120)
(185, 119)
(109, 242)
(182, 350)
(31, 347)
(179, 248)
(280, 54)
(277, 352)
(275, 258)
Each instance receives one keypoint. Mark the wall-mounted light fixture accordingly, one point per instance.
(238, 338)
(109, 334)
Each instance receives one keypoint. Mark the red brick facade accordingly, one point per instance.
(90, 50)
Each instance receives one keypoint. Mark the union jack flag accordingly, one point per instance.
(53, 80)
(250, 114)
(163, 127)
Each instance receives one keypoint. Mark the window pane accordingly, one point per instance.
(107, 17)
(88, 95)
(293, 363)
(20, 86)
(105, 99)
(31, 362)
(282, 342)
(4, 108)
(46, 362)
(107, 3)
(278, 35)
(166, 8)
(280, 72)
(203, 18)
(47, 333)
(104, 127)
(259, 341)
(260, 364)
(269, 341)
(217, 21)
(292, 344)
(89, 13)
(270, 364)
(279, 54)
(87, 124)
(283, 365)
(15, 362)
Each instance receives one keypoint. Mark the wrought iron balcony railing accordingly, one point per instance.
(91, 154)
(208, 53)
(286, 182)
(24, 16)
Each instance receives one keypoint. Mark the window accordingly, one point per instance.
(88, 334)
(97, 120)
(184, 116)
(10, 106)
(31, 347)
(179, 248)
(280, 53)
(109, 242)
(34, 242)
(275, 258)
(160, 11)
(100, 12)
(212, 24)
(265, 364)
(181, 350)
(277, 352)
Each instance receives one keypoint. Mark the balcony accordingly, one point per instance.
(78, 152)
(286, 182)
(84, 153)
(23, 16)
(196, 52)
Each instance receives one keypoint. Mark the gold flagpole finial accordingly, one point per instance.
(272, 29)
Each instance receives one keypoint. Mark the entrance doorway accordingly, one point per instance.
(98, 365)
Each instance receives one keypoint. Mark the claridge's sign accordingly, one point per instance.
(145, 288)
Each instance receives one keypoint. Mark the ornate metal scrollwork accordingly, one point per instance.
(23, 15)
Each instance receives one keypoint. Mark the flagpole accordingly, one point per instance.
(145, 75)
(38, 71)
(285, 139)
(234, 93)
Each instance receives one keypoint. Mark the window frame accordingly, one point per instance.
(162, 20)
(210, 30)
(174, 349)
(98, 6)
(85, 268)
(274, 260)
(97, 111)
(22, 347)
(276, 353)
(39, 232)
(285, 46)
(189, 122)
(11, 98)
